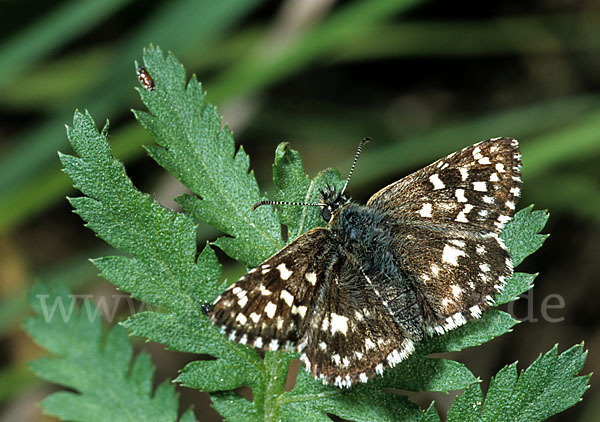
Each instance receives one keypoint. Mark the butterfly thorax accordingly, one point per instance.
(367, 244)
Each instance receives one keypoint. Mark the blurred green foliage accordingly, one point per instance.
(55, 57)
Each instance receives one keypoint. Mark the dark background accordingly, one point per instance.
(422, 78)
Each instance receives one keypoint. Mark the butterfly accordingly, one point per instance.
(422, 257)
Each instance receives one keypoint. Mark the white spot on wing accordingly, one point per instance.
(287, 297)
(336, 359)
(475, 311)
(311, 278)
(436, 182)
(393, 358)
(446, 302)
(456, 291)
(464, 173)
(299, 310)
(241, 318)
(339, 323)
(242, 302)
(480, 186)
(459, 243)
(270, 309)
(369, 344)
(426, 211)
(451, 254)
(460, 195)
(254, 317)
(461, 217)
(283, 271)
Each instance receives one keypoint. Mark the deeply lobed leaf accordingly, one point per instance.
(109, 386)
(162, 269)
(194, 148)
(547, 387)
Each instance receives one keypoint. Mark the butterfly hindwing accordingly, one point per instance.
(352, 335)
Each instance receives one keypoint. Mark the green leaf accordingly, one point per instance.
(467, 406)
(109, 386)
(293, 185)
(162, 269)
(430, 415)
(196, 150)
(522, 238)
(549, 386)
(310, 401)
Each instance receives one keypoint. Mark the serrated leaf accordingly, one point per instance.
(492, 324)
(311, 401)
(162, 269)
(467, 406)
(109, 387)
(430, 415)
(521, 234)
(547, 387)
(293, 185)
(194, 148)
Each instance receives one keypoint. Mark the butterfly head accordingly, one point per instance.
(332, 200)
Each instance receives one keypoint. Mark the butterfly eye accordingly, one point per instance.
(326, 214)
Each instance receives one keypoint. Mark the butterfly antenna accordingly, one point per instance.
(364, 141)
(258, 204)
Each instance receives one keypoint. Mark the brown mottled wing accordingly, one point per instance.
(475, 188)
(351, 336)
(268, 307)
(447, 217)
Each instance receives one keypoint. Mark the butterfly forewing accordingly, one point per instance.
(476, 188)
(268, 307)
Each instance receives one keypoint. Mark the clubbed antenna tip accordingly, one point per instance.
(258, 204)
(364, 141)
